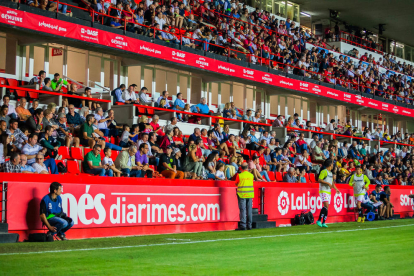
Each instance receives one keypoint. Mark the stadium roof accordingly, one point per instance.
(397, 15)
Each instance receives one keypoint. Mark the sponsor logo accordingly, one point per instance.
(12, 17)
(119, 42)
(332, 93)
(283, 203)
(52, 27)
(372, 104)
(224, 68)
(347, 97)
(395, 109)
(304, 86)
(89, 32)
(178, 56)
(406, 201)
(202, 62)
(267, 78)
(248, 73)
(338, 202)
(385, 106)
(406, 112)
(148, 49)
(286, 83)
(359, 100)
(316, 89)
(305, 201)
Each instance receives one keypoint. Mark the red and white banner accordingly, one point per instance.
(286, 202)
(92, 35)
(101, 205)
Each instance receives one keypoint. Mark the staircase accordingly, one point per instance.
(260, 221)
(5, 236)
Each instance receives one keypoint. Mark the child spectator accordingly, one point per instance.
(125, 137)
(108, 160)
(220, 171)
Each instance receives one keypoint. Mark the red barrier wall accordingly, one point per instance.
(105, 206)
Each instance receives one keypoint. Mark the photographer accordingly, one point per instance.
(51, 212)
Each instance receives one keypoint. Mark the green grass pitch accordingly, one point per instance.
(371, 248)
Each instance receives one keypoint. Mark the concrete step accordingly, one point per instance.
(4, 228)
(255, 211)
(264, 224)
(396, 216)
(259, 218)
(8, 237)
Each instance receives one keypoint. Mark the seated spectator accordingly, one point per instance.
(252, 142)
(51, 212)
(31, 149)
(171, 125)
(17, 136)
(11, 111)
(26, 168)
(125, 162)
(3, 114)
(256, 170)
(13, 165)
(39, 166)
(385, 199)
(202, 107)
(103, 123)
(21, 110)
(4, 142)
(143, 98)
(301, 144)
(65, 133)
(117, 94)
(92, 163)
(73, 90)
(192, 163)
(47, 86)
(89, 103)
(155, 126)
(153, 150)
(35, 105)
(290, 176)
(107, 160)
(73, 118)
(168, 165)
(86, 131)
(50, 143)
(178, 138)
(57, 82)
(167, 141)
(141, 160)
(129, 95)
(38, 79)
(220, 171)
(3, 127)
(35, 122)
(210, 165)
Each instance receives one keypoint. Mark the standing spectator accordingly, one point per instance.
(93, 164)
(168, 165)
(125, 162)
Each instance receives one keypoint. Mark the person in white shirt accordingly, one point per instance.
(129, 95)
(160, 20)
(108, 160)
(368, 135)
(12, 112)
(331, 126)
(220, 171)
(39, 166)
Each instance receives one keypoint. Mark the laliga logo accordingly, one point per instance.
(395, 109)
(338, 202)
(283, 203)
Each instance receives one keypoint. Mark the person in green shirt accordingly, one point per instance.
(92, 163)
(86, 133)
(57, 82)
(363, 150)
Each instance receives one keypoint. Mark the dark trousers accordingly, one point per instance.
(246, 213)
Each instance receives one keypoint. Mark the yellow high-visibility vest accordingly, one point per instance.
(245, 186)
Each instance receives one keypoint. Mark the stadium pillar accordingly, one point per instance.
(11, 56)
(102, 80)
(31, 61)
(189, 89)
(254, 100)
(267, 109)
(231, 92)
(219, 94)
(21, 63)
(153, 83)
(278, 104)
(245, 98)
(178, 83)
(286, 108)
(87, 68)
(46, 61)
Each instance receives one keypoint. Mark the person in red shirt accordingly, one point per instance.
(301, 143)
(364, 57)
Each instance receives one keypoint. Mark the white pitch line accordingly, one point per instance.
(201, 241)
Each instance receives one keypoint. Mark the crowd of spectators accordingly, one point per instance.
(228, 28)
(31, 137)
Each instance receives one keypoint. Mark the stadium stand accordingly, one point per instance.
(81, 134)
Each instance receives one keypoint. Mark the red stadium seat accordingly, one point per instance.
(271, 176)
(12, 82)
(73, 166)
(21, 93)
(33, 95)
(86, 151)
(76, 153)
(307, 178)
(279, 177)
(312, 178)
(64, 152)
(114, 155)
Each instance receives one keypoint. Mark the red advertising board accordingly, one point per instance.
(65, 29)
(286, 202)
(101, 205)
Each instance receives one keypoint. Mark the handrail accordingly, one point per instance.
(327, 133)
(100, 86)
(356, 43)
(53, 93)
(72, 80)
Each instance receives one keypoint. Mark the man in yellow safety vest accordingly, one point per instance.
(245, 195)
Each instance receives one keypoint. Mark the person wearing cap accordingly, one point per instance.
(245, 195)
(168, 165)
